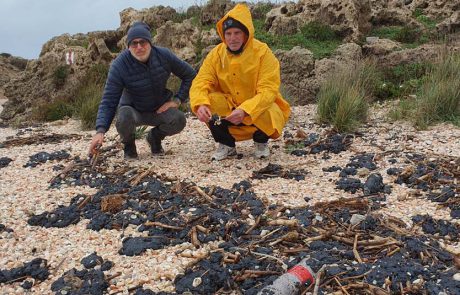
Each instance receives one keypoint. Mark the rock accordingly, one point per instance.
(214, 10)
(297, 66)
(457, 276)
(356, 218)
(449, 25)
(349, 18)
(180, 37)
(381, 47)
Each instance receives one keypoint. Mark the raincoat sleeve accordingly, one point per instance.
(203, 84)
(267, 87)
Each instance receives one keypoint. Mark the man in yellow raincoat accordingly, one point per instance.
(236, 92)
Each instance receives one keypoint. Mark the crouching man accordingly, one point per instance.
(236, 92)
(136, 90)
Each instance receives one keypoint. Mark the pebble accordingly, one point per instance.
(356, 218)
(457, 276)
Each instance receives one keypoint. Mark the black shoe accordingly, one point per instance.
(130, 150)
(154, 140)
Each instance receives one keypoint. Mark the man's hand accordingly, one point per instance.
(236, 117)
(204, 113)
(166, 106)
(96, 143)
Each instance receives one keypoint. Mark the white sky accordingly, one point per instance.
(25, 25)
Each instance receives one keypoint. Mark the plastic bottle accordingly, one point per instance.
(290, 282)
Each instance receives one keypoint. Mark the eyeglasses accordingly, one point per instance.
(134, 44)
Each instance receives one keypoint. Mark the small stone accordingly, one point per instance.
(196, 282)
(356, 218)
(457, 276)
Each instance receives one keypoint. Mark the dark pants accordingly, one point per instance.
(167, 123)
(221, 134)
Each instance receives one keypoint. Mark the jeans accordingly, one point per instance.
(167, 123)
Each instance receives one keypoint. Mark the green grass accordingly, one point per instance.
(440, 94)
(403, 34)
(438, 97)
(140, 132)
(318, 38)
(89, 94)
(401, 80)
(343, 99)
(87, 104)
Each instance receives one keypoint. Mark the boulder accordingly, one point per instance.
(346, 54)
(215, 10)
(349, 18)
(179, 37)
(297, 67)
(381, 47)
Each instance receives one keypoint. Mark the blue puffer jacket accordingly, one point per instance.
(142, 86)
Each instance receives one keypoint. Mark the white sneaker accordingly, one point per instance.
(223, 151)
(261, 150)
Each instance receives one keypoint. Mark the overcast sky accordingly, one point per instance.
(25, 25)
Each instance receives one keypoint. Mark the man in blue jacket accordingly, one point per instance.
(136, 87)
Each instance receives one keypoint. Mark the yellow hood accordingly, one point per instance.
(242, 14)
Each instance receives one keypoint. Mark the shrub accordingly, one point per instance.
(407, 34)
(87, 103)
(5, 54)
(318, 31)
(60, 75)
(401, 80)
(439, 96)
(57, 110)
(319, 48)
(343, 98)
(88, 97)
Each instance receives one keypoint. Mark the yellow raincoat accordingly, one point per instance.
(248, 81)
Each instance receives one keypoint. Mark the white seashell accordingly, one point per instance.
(197, 281)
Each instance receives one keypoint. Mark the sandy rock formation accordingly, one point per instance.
(449, 25)
(436, 9)
(301, 75)
(37, 83)
(381, 47)
(297, 67)
(155, 17)
(10, 67)
(349, 18)
(214, 10)
(180, 37)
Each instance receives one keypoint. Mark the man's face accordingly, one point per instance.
(234, 38)
(140, 49)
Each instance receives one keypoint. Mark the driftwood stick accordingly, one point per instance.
(355, 250)
(357, 277)
(341, 287)
(194, 237)
(113, 276)
(283, 265)
(253, 226)
(203, 194)
(141, 176)
(59, 265)
(64, 172)
(286, 222)
(318, 279)
(159, 224)
(84, 202)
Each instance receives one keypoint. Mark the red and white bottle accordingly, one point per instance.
(290, 282)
